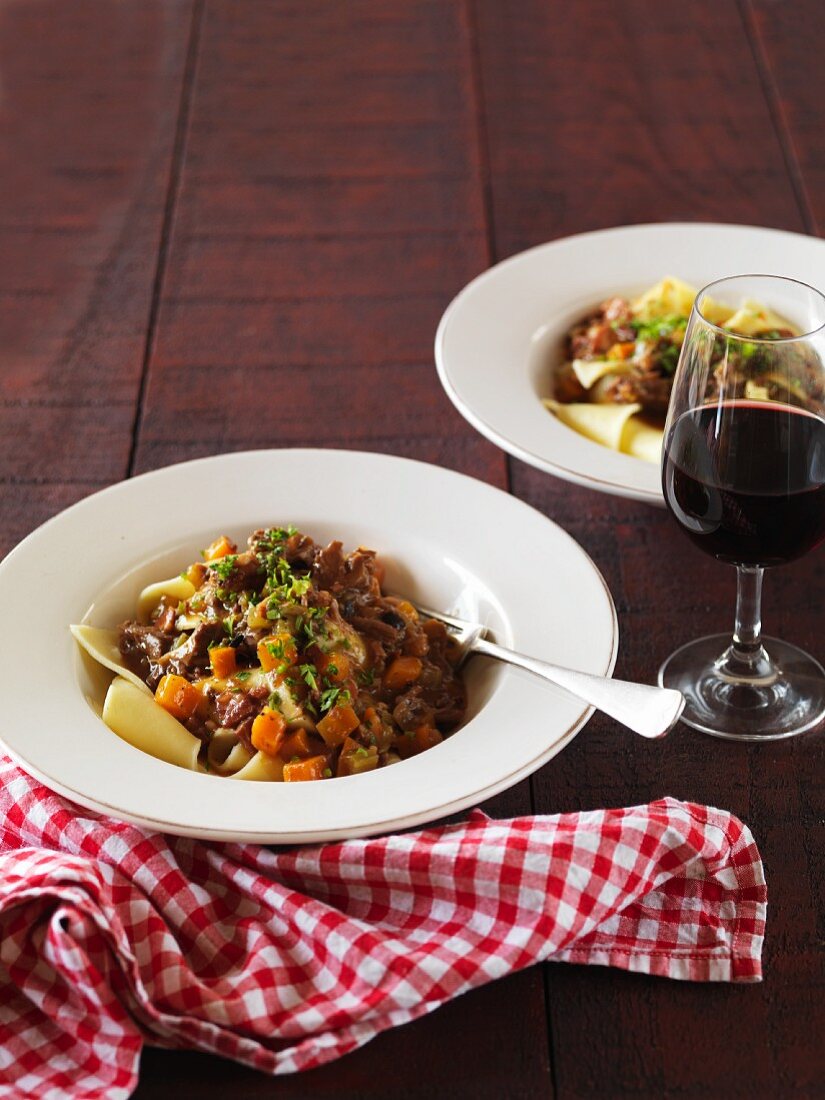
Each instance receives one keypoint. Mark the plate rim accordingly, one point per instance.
(304, 835)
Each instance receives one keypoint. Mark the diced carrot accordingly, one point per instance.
(224, 661)
(177, 696)
(337, 667)
(372, 721)
(426, 737)
(335, 726)
(299, 771)
(276, 650)
(622, 351)
(268, 732)
(402, 671)
(296, 744)
(408, 611)
(219, 549)
(433, 629)
(195, 574)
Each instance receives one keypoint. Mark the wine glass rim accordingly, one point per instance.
(729, 333)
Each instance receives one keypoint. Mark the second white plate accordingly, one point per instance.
(501, 337)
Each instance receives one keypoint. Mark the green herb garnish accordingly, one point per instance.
(309, 674)
(224, 567)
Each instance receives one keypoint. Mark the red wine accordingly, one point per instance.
(746, 480)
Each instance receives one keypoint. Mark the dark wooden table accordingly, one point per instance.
(235, 223)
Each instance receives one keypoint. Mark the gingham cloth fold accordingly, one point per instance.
(111, 936)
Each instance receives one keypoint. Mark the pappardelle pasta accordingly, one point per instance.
(282, 662)
(614, 385)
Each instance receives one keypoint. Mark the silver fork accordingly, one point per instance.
(649, 711)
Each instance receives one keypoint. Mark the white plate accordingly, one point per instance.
(500, 338)
(446, 539)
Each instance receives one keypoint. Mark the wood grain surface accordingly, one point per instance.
(234, 223)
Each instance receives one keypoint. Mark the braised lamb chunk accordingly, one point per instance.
(449, 704)
(650, 391)
(300, 550)
(375, 627)
(164, 621)
(596, 335)
(142, 647)
(328, 565)
(193, 654)
(411, 710)
(359, 573)
(234, 707)
(617, 311)
(238, 573)
(593, 341)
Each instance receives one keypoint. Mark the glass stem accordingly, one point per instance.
(747, 634)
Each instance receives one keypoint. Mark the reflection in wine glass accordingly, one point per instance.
(743, 473)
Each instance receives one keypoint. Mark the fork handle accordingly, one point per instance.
(649, 711)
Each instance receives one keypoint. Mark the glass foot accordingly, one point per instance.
(783, 694)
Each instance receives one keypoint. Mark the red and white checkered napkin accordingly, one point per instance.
(111, 936)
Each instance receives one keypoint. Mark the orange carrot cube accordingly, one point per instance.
(224, 661)
(427, 736)
(268, 731)
(276, 650)
(195, 574)
(335, 725)
(337, 667)
(177, 696)
(402, 672)
(219, 549)
(296, 744)
(302, 770)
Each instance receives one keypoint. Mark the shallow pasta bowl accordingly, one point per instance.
(446, 540)
(502, 336)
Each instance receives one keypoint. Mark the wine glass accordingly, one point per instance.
(743, 472)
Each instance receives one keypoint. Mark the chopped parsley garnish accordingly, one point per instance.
(309, 673)
(311, 624)
(224, 567)
(300, 586)
(242, 675)
(333, 697)
(366, 676)
(274, 536)
(282, 585)
(651, 331)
